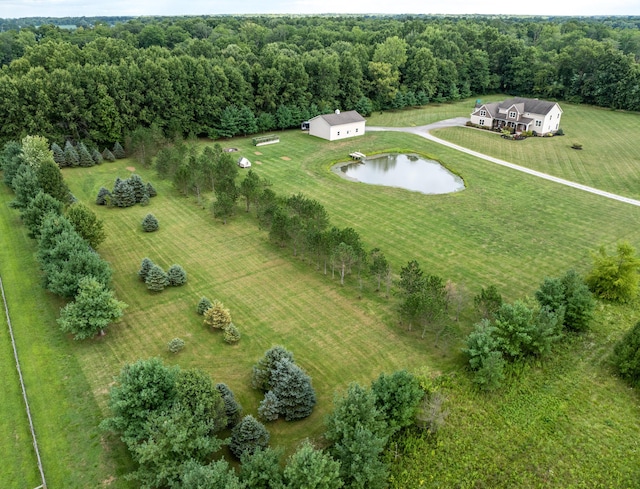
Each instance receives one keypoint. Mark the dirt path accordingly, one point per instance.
(423, 131)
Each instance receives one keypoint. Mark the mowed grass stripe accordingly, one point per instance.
(64, 412)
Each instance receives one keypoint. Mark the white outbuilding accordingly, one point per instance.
(244, 163)
(339, 125)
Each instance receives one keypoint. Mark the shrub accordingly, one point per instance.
(217, 316)
(615, 277)
(144, 268)
(576, 146)
(231, 334)
(488, 301)
(176, 276)
(203, 305)
(156, 279)
(560, 132)
(175, 345)
(150, 223)
(248, 436)
(626, 356)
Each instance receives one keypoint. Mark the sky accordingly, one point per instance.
(89, 8)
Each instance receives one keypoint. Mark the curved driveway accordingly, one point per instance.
(423, 131)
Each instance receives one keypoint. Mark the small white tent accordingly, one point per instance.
(244, 163)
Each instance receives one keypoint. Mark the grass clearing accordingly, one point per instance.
(506, 228)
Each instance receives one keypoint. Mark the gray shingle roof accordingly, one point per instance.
(342, 118)
(531, 105)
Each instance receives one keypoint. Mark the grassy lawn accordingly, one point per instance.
(608, 161)
(506, 228)
(65, 413)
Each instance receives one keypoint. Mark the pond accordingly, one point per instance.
(402, 170)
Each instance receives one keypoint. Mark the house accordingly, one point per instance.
(243, 162)
(339, 125)
(521, 114)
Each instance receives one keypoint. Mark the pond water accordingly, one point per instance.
(402, 170)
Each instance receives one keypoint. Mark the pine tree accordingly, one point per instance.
(58, 155)
(151, 191)
(71, 155)
(97, 157)
(26, 187)
(52, 182)
(248, 436)
(176, 275)
(203, 305)
(85, 159)
(269, 408)
(150, 223)
(261, 376)
(231, 334)
(146, 265)
(137, 186)
(156, 279)
(104, 197)
(108, 155)
(217, 316)
(122, 195)
(41, 205)
(292, 388)
(118, 151)
(144, 201)
(232, 407)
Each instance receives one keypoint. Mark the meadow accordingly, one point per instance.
(558, 423)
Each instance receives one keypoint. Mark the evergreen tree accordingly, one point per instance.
(97, 157)
(269, 409)
(10, 161)
(123, 195)
(262, 370)
(248, 436)
(150, 223)
(232, 407)
(151, 191)
(615, 277)
(293, 391)
(397, 397)
(94, 308)
(176, 275)
(58, 155)
(231, 334)
(156, 279)
(144, 269)
(217, 316)
(118, 151)
(104, 197)
(33, 216)
(312, 468)
(216, 475)
(137, 186)
(85, 159)
(51, 181)
(71, 156)
(261, 469)
(86, 224)
(203, 305)
(26, 187)
(108, 155)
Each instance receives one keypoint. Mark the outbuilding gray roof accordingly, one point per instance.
(342, 118)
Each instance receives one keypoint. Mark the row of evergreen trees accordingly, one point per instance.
(79, 155)
(67, 234)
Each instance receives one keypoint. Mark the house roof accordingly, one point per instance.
(522, 105)
(342, 118)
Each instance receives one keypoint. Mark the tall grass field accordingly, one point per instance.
(563, 421)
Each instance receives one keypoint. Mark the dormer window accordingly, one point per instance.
(512, 115)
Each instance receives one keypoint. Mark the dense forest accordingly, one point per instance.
(222, 76)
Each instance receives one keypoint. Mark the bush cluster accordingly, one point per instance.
(521, 330)
(127, 192)
(217, 316)
(157, 279)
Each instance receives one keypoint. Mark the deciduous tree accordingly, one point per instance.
(94, 308)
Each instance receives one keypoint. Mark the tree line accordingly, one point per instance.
(222, 76)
